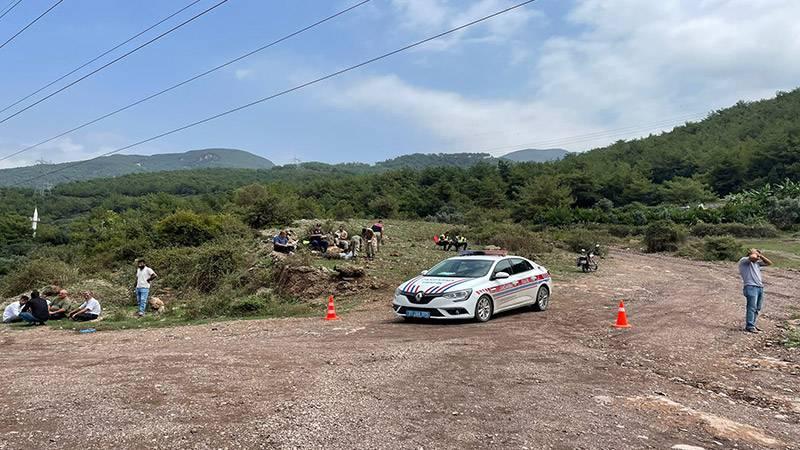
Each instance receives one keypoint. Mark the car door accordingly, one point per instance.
(525, 280)
(503, 289)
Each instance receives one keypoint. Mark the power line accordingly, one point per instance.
(189, 80)
(8, 9)
(99, 56)
(31, 23)
(290, 90)
(123, 56)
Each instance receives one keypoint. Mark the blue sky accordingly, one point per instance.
(573, 73)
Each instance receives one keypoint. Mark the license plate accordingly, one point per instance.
(418, 314)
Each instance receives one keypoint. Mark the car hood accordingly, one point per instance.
(437, 285)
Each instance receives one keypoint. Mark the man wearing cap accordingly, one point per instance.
(61, 306)
(750, 271)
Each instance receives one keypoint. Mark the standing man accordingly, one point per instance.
(144, 276)
(61, 306)
(750, 271)
(377, 228)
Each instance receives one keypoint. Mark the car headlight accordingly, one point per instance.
(458, 296)
(398, 292)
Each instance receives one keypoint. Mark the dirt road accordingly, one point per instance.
(683, 375)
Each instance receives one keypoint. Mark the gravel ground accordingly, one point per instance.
(683, 375)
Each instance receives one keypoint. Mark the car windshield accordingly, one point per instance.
(461, 268)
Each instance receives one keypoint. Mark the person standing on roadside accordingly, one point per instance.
(144, 276)
(753, 286)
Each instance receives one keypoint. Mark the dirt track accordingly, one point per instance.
(685, 374)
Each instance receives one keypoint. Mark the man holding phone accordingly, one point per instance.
(750, 271)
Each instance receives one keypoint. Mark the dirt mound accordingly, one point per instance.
(307, 282)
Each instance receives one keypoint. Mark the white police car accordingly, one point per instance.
(477, 285)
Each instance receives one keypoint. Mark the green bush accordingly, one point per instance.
(186, 228)
(784, 212)
(663, 236)
(35, 273)
(722, 248)
(577, 240)
(248, 306)
(512, 237)
(205, 268)
(758, 230)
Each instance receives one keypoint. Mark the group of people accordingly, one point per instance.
(339, 244)
(37, 310)
(454, 241)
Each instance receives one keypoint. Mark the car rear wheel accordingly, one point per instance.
(484, 309)
(542, 299)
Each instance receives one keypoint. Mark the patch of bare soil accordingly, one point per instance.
(684, 376)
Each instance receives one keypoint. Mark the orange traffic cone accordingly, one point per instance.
(622, 318)
(331, 310)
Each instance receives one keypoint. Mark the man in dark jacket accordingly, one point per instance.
(35, 311)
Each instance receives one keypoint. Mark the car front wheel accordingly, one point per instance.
(542, 299)
(484, 309)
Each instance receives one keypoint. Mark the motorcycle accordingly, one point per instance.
(587, 262)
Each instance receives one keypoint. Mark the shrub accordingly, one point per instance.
(248, 306)
(758, 230)
(622, 231)
(663, 236)
(577, 240)
(721, 248)
(187, 228)
(205, 268)
(512, 237)
(36, 273)
(784, 212)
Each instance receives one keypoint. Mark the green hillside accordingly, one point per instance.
(116, 165)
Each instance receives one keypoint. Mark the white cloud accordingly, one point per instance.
(243, 74)
(426, 17)
(61, 150)
(630, 63)
(464, 124)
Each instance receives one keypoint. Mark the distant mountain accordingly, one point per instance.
(117, 165)
(536, 155)
(425, 160)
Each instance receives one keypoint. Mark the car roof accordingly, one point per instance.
(485, 257)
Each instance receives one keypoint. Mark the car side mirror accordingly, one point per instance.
(501, 275)
(424, 272)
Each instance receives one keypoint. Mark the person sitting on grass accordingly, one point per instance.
(341, 238)
(281, 244)
(35, 311)
(317, 239)
(61, 306)
(11, 313)
(89, 310)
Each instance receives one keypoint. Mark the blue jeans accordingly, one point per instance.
(28, 317)
(141, 297)
(755, 300)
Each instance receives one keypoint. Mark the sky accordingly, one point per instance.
(575, 74)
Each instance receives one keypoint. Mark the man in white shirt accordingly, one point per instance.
(144, 276)
(89, 310)
(11, 313)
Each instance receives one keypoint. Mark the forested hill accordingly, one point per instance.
(116, 165)
(741, 147)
